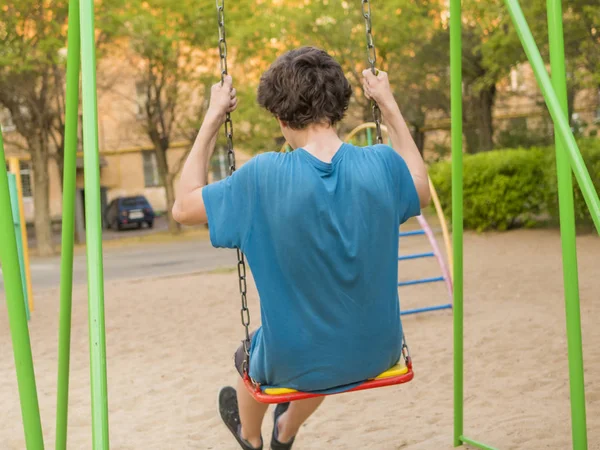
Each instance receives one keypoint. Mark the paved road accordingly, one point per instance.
(134, 262)
(160, 224)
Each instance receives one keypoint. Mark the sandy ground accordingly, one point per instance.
(170, 343)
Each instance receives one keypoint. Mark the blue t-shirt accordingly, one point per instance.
(322, 243)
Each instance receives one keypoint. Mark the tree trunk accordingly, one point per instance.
(469, 128)
(60, 162)
(167, 181)
(485, 120)
(174, 227)
(41, 197)
(471, 137)
(478, 120)
(419, 137)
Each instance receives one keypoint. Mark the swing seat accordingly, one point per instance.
(397, 374)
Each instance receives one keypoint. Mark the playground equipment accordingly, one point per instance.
(15, 167)
(17, 316)
(17, 214)
(367, 139)
(9, 257)
(445, 277)
(568, 158)
(399, 373)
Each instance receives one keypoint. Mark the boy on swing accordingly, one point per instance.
(319, 227)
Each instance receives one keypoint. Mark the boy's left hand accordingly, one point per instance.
(223, 98)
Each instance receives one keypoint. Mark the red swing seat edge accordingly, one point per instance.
(261, 397)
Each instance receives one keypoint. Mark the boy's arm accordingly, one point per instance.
(189, 208)
(378, 88)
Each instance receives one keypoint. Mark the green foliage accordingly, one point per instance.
(590, 151)
(519, 134)
(31, 37)
(409, 35)
(503, 189)
(439, 152)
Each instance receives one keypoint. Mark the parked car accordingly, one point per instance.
(125, 211)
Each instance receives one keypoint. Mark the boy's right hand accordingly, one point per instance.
(223, 99)
(377, 88)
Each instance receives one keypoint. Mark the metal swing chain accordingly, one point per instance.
(372, 58)
(241, 265)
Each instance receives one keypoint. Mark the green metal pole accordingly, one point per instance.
(476, 444)
(17, 318)
(552, 102)
(68, 225)
(369, 136)
(14, 200)
(457, 209)
(568, 236)
(93, 230)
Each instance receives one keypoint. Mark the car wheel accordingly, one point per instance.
(151, 224)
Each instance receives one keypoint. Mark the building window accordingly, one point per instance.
(6, 121)
(517, 80)
(151, 178)
(25, 167)
(141, 99)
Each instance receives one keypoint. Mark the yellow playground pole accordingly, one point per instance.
(14, 167)
(440, 213)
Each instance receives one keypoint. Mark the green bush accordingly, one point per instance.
(503, 189)
(519, 134)
(590, 151)
(506, 189)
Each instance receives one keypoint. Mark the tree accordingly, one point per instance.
(492, 48)
(582, 32)
(33, 37)
(408, 35)
(168, 42)
(581, 24)
(419, 64)
(31, 87)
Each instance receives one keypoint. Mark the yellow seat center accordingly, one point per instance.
(395, 371)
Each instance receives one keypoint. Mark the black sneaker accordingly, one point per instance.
(275, 444)
(228, 409)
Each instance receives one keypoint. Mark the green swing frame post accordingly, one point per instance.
(568, 159)
(68, 224)
(93, 232)
(17, 316)
(14, 200)
(81, 49)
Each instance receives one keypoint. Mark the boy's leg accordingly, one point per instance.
(252, 414)
(289, 422)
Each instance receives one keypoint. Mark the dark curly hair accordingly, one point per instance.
(305, 86)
